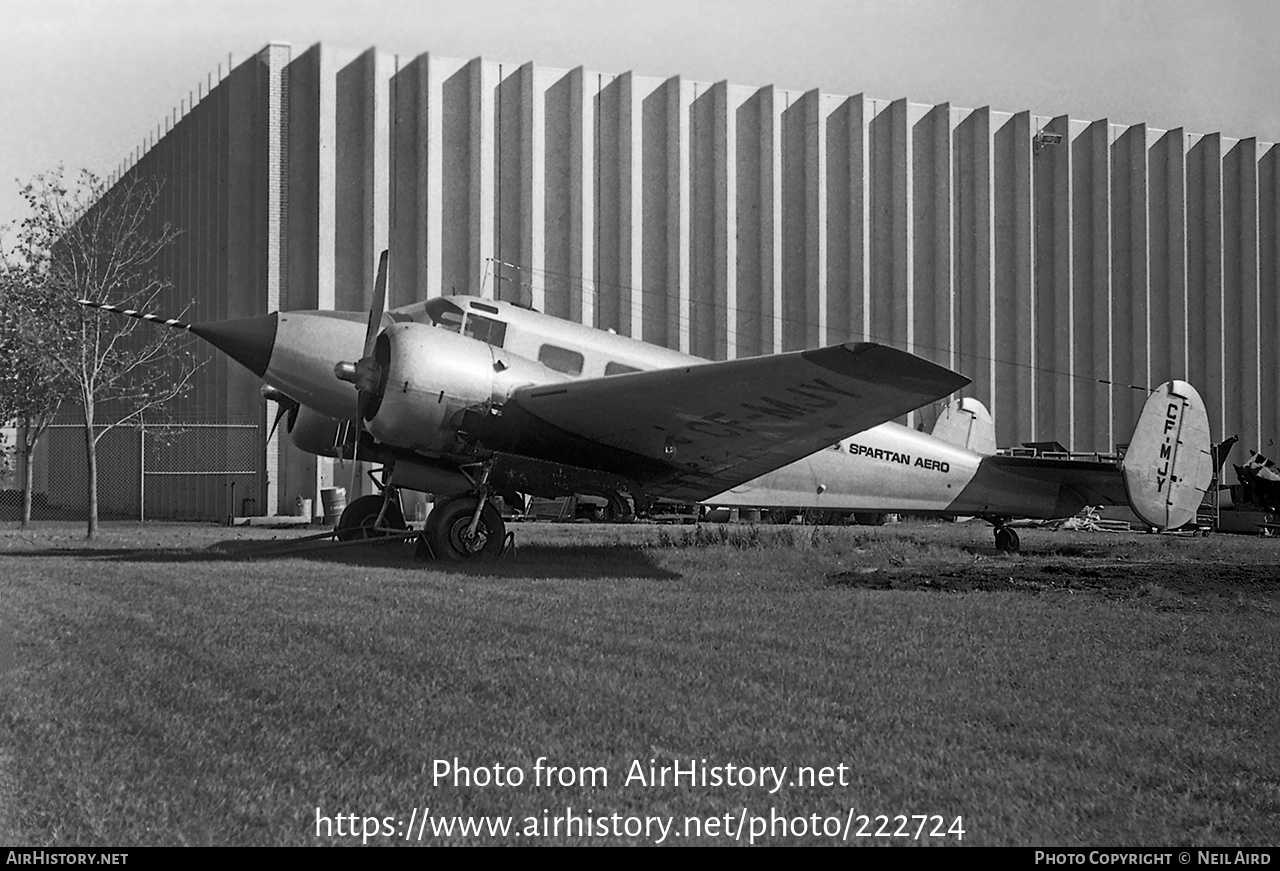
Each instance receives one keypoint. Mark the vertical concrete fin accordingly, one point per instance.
(631, 174)
(679, 95)
(583, 256)
(1205, 275)
(1014, 308)
(1167, 239)
(845, 226)
(712, 206)
(726, 220)
(772, 105)
(1269, 298)
(815, 218)
(932, 269)
(1130, 300)
(1091, 278)
(1055, 325)
(973, 221)
(561, 178)
(1241, 311)
(482, 80)
(510, 274)
(533, 187)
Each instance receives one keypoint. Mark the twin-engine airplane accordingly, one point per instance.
(469, 398)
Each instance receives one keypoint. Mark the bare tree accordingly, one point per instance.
(32, 383)
(84, 241)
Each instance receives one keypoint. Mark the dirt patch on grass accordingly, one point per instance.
(1164, 584)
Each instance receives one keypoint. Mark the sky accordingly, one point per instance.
(83, 81)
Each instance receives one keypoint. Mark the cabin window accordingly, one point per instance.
(487, 330)
(612, 368)
(560, 359)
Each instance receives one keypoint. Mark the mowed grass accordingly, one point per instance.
(176, 685)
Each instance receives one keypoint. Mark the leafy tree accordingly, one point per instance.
(32, 384)
(85, 241)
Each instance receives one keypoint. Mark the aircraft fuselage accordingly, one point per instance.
(888, 467)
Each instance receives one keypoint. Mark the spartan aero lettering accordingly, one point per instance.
(901, 459)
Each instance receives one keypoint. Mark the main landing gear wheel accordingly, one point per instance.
(360, 519)
(448, 527)
(1007, 540)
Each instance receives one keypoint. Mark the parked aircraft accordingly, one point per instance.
(1260, 479)
(468, 398)
(890, 468)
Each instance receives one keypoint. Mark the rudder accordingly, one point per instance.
(966, 423)
(1168, 466)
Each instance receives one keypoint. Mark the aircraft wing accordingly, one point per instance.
(690, 432)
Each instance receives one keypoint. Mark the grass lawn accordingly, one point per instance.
(174, 684)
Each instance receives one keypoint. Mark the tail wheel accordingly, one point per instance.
(594, 513)
(448, 528)
(1007, 540)
(360, 519)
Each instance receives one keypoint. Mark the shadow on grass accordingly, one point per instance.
(533, 561)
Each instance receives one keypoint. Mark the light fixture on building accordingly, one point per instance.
(1043, 139)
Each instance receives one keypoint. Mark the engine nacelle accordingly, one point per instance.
(431, 376)
(315, 433)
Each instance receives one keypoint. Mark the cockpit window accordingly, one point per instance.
(485, 329)
(560, 359)
(612, 368)
(444, 313)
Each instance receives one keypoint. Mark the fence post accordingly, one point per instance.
(142, 472)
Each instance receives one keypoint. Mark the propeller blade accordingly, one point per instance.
(362, 400)
(286, 405)
(281, 411)
(376, 305)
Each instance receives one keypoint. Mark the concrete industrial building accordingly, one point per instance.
(1057, 262)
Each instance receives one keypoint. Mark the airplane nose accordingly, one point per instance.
(248, 341)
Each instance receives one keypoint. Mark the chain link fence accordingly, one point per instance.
(188, 471)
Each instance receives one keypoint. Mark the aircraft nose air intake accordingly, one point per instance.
(248, 341)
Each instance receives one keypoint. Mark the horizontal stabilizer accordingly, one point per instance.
(1169, 465)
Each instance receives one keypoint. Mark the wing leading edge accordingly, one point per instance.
(690, 432)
